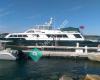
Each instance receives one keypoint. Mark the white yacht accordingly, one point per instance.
(45, 35)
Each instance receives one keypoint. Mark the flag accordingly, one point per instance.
(82, 27)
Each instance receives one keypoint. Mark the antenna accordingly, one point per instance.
(51, 21)
(64, 23)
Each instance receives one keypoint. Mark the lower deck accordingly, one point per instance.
(22, 43)
(52, 42)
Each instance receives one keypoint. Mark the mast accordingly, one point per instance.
(50, 23)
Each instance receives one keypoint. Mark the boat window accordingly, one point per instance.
(43, 32)
(19, 35)
(25, 36)
(31, 31)
(65, 36)
(59, 36)
(36, 35)
(77, 35)
(53, 36)
(13, 35)
(48, 35)
(2, 35)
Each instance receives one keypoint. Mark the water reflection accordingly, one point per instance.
(47, 69)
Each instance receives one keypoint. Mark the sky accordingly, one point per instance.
(20, 15)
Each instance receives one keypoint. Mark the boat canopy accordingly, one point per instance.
(70, 29)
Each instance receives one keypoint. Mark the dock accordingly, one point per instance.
(65, 51)
(64, 54)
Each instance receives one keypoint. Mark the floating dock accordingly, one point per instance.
(65, 51)
(64, 54)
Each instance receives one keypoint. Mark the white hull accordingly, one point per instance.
(5, 55)
(94, 56)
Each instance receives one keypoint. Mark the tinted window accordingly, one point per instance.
(11, 35)
(19, 35)
(43, 32)
(51, 35)
(48, 35)
(37, 35)
(14, 35)
(31, 31)
(25, 36)
(65, 36)
(77, 35)
(59, 36)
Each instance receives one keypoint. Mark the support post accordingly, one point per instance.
(77, 45)
(86, 49)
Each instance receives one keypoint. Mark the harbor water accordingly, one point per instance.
(48, 69)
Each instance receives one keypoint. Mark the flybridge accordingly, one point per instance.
(46, 26)
(40, 28)
(50, 31)
(70, 29)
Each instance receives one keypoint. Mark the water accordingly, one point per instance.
(47, 69)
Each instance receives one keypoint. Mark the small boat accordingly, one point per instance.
(94, 56)
(7, 55)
